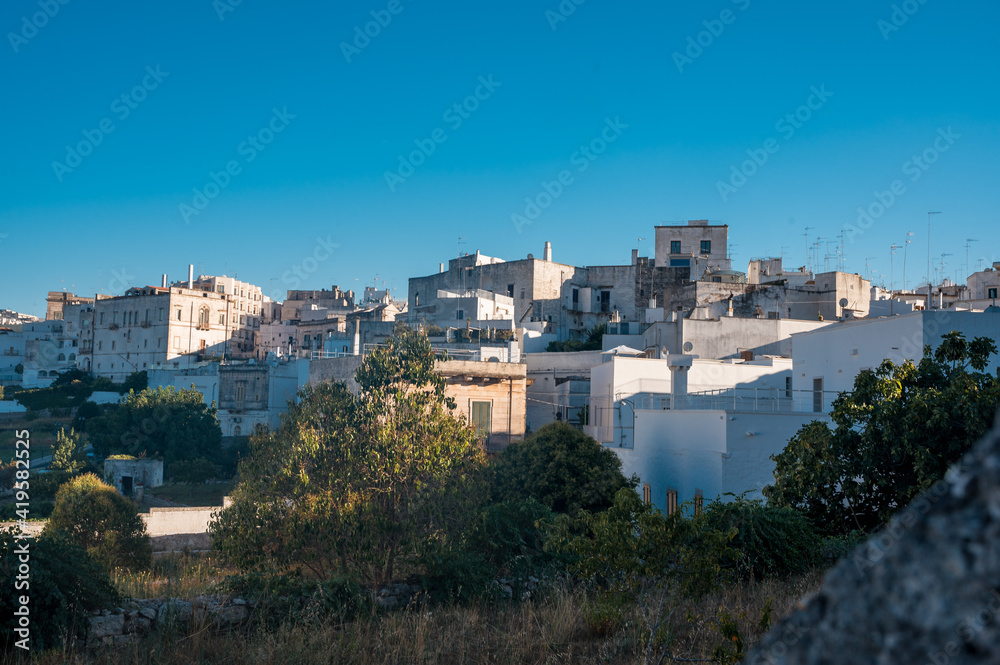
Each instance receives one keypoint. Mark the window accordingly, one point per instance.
(115, 318)
(675, 246)
(481, 417)
(991, 293)
(818, 395)
(100, 345)
(647, 494)
(461, 315)
(112, 345)
(222, 319)
(788, 387)
(102, 317)
(61, 357)
(576, 298)
(671, 506)
(161, 314)
(203, 316)
(145, 343)
(178, 314)
(177, 342)
(706, 246)
(510, 290)
(605, 301)
(241, 393)
(699, 502)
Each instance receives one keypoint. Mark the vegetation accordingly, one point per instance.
(562, 468)
(206, 494)
(593, 341)
(163, 422)
(193, 472)
(361, 487)
(769, 541)
(103, 522)
(66, 584)
(895, 435)
(67, 453)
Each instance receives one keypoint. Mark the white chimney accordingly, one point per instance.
(548, 251)
(163, 280)
(190, 275)
(679, 365)
(440, 267)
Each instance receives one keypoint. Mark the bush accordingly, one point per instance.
(195, 472)
(511, 536)
(561, 468)
(770, 540)
(291, 598)
(85, 412)
(66, 585)
(106, 524)
(135, 382)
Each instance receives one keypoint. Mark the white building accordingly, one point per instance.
(11, 355)
(830, 358)
(48, 352)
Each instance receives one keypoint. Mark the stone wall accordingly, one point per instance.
(136, 618)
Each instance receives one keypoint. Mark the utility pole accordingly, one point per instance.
(906, 244)
(930, 285)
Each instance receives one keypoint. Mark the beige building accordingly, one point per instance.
(174, 327)
(698, 245)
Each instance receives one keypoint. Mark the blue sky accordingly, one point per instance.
(310, 129)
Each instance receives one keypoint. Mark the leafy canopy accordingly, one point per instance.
(103, 522)
(562, 468)
(895, 435)
(67, 453)
(358, 485)
(159, 422)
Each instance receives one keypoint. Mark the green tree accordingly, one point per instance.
(159, 422)
(562, 468)
(895, 435)
(103, 522)
(65, 586)
(361, 486)
(135, 382)
(656, 561)
(67, 453)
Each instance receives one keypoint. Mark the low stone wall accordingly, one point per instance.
(138, 617)
(179, 520)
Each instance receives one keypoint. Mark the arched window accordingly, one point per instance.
(61, 357)
(72, 356)
(237, 431)
(203, 316)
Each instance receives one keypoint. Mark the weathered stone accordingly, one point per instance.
(106, 626)
(926, 589)
(230, 615)
(239, 601)
(178, 611)
(148, 613)
(122, 640)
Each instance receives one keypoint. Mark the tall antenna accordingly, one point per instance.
(461, 241)
(968, 243)
(806, 234)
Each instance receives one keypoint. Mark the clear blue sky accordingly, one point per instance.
(116, 216)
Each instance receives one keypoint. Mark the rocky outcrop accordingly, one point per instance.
(925, 590)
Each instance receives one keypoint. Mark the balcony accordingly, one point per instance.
(144, 324)
(753, 400)
(112, 326)
(203, 325)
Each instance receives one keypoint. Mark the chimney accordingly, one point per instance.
(163, 280)
(635, 256)
(190, 275)
(548, 251)
(679, 365)
(357, 337)
(440, 267)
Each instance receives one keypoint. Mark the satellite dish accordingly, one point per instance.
(843, 302)
(688, 346)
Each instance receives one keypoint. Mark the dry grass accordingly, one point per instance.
(172, 576)
(552, 630)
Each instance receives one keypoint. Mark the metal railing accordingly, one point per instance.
(776, 400)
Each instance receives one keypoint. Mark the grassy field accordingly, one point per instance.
(558, 628)
(209, 494)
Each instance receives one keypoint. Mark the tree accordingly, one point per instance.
(360, 486)
(67, 453)
(103, 522)
(562, 468)
(895, 435)
(656, 561)
(159, 422)
(66, 585)
(135, 382)
(593, 342)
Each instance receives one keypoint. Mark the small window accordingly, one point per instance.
(510, 290)
(706, 246)
(991, 293)
(222, 319)
(481, 416)
(177, 342)
(675, 246)
(461, 315)
(788, 387)
(178, 315)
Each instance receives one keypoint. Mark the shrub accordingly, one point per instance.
(66, 585)
(135, 382)
(84, 413)
(292, 598)
(67, 453)
(106, 524)
(562, 468)
(511, 536)
(770, 540)
(194, 472)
